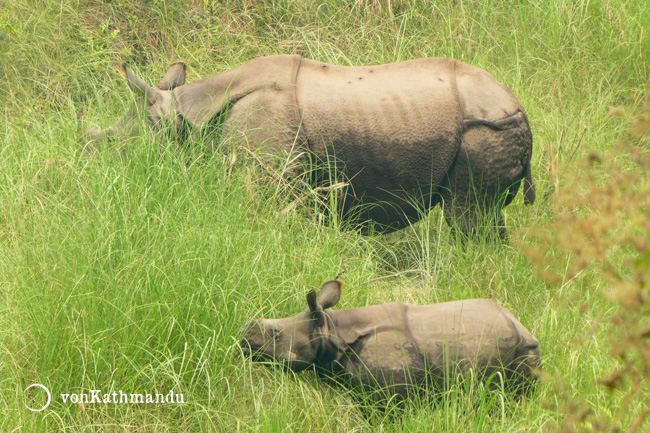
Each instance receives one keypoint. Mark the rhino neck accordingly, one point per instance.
(200, 101)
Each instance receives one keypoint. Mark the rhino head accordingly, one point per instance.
(299, 341)
(157, 102)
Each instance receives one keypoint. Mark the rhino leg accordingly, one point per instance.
(485, 177)
(524, 370)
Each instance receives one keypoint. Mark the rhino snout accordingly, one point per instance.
(256, 337)
(263, 340)
(251, 332)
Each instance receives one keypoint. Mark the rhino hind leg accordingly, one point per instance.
(523, 373)
(485, 177)
(469, 210)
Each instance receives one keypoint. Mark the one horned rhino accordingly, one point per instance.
(406, 136)
(394, 348)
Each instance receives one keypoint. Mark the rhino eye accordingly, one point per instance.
(275, 333)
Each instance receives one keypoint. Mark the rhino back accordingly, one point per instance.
(464, 334)
(395, 124)
(396, 344)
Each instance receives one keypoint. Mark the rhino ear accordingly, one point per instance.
(138, 85)
(174, 77)
(315, 309)
(330, 294)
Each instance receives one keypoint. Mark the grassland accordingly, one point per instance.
(135, 270)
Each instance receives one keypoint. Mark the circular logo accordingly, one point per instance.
(49, 397)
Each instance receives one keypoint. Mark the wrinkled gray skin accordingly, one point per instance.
(406, 136)
(392, 349)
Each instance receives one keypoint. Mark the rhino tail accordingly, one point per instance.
(529, 187)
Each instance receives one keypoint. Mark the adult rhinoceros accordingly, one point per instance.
(406, 136)
(391, 349)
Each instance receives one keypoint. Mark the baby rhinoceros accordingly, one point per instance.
(392, 350)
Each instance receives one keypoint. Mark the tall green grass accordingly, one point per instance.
(134, 270)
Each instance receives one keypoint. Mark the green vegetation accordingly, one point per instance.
(133, 270)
